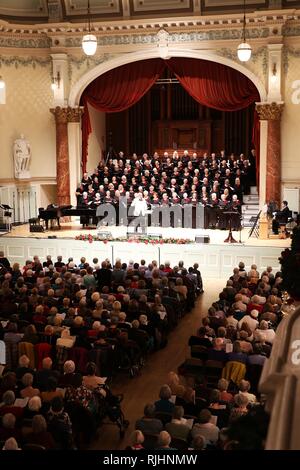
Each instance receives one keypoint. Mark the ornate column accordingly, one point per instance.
(270, 168)
(74, 138)
(62, 117)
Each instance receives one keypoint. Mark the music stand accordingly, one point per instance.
(230, 238)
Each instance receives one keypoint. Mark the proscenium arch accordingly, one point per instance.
(79, 87)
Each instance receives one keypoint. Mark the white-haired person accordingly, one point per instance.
(69, 376)
(136, 440)
(244, 388)
(11, 444)
(250, 320)
(268, 332)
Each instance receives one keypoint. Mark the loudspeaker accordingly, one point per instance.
(202, 239)
(36, 228)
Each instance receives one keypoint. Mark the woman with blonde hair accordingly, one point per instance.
(136, 441)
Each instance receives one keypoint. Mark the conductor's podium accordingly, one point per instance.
(280, 383)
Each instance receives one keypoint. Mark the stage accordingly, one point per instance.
(215, 258)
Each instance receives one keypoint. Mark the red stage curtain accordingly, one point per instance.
(117, 90)
(218, 86)
(214, 85)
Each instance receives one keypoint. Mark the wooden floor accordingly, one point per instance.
(145, 388)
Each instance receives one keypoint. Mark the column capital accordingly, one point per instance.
(74, 114)
(269, 111)
(65, 115)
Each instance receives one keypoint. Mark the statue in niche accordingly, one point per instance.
(22, 157)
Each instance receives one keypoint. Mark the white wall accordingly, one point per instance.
(28, 100)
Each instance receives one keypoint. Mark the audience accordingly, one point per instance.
(115, 323)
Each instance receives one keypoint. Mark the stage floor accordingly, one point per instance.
(73, 229)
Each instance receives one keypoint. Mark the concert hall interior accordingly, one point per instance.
(149, 224)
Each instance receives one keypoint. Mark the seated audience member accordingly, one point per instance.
(258, 356)
(164, 404)
(201, 339)
(164, 441)
(136, 440)
(51, 391)
(244, 390)
(148, 424)
(205, 427)
(268, 332)
(178, 428)
(217, 353)
(28, 390)
(91, 380)
(245, 344)
(24, 363)
(198, 443)
(8, 428)
(225, 396)
(33, 407)
(43, 375)
(240, 407)
(69, 376)
(7, 405)
(11, 444)
(250, 320)
(40, 435)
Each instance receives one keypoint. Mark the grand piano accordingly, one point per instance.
(53, 212)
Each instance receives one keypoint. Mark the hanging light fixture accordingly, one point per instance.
(2, 83)
(89, 41)
(244, 49)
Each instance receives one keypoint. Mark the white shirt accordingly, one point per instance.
(251, 322)
(140, 207)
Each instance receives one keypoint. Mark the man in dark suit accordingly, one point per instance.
(281, 217)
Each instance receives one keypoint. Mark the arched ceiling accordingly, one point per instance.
(43, 11)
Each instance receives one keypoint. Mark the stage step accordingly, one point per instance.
(253, 190)
(250, 207)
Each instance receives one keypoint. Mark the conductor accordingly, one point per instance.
(280, 217)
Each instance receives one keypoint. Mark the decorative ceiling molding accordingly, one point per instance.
(194, 29)
(288, 18)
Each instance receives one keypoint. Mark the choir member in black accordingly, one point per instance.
(224, 207)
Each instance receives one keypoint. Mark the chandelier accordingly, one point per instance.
(89, 41)
(244, 49)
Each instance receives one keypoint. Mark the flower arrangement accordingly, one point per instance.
(290, 266)
(147, 240)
